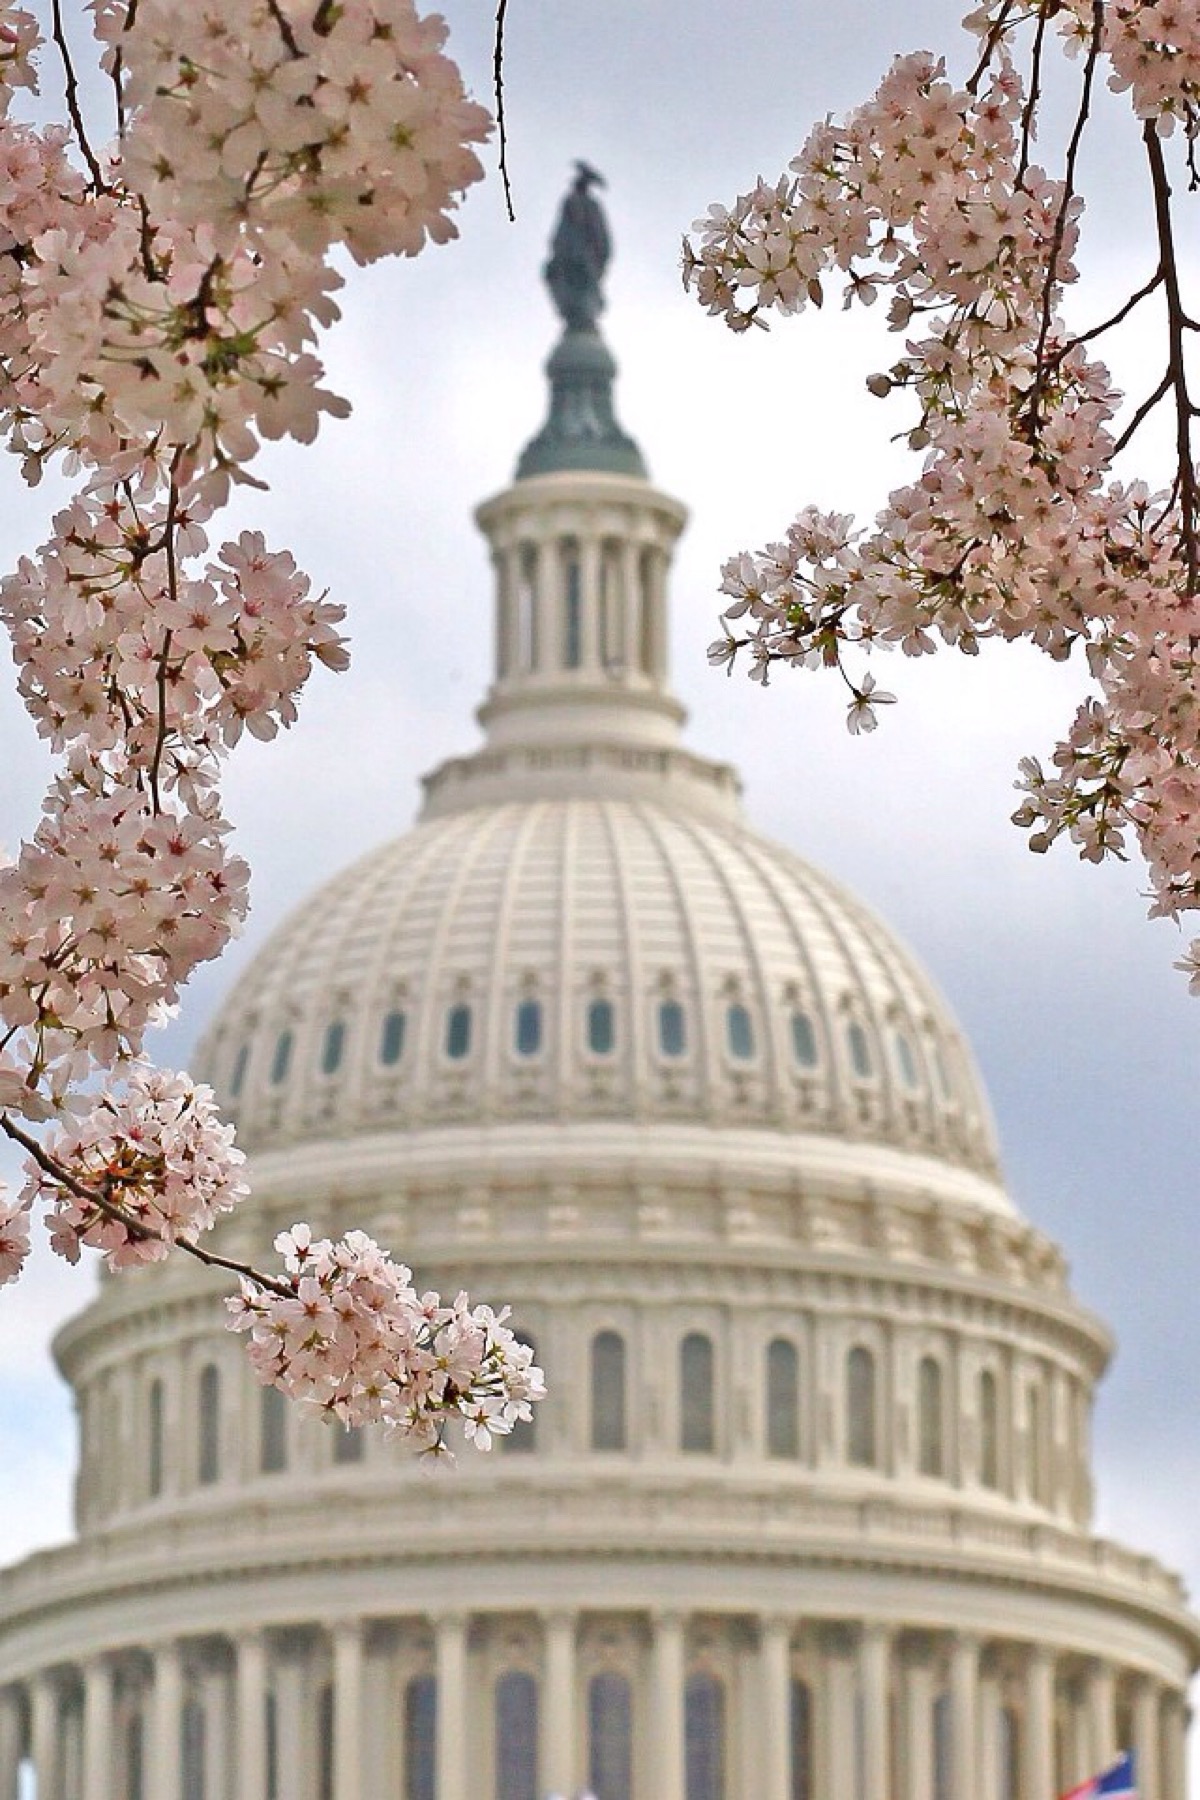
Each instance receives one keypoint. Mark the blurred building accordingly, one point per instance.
(806, 1515)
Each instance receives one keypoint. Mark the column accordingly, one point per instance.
(875, 1657)
(347, 1709)
(841, 1737)
(1039, 1724)
(214, 1687)
(558, 1775)
(44, 1735)
(97, 1729)
(1175, 1724)
(591, 649)
(293, 1721)
(10, 1742)
(989, 1737)
(1146, 1740)
(667, 1681)
(656, 601)
(964, 1715)
(251, 1716)
(1102, 1714)
(775, 1688)
(166, 1733)
(916, 1725)
(450, 1636)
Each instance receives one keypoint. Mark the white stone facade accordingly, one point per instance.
(806, 1515)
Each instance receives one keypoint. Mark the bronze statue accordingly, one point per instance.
(579, 254)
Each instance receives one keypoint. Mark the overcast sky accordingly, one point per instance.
(1085, 1034)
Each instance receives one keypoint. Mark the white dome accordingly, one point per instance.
(516, 919)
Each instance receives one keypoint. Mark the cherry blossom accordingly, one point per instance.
(1016, 525)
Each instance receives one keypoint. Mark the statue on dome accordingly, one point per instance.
(579, 253)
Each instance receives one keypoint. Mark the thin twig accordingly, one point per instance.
(71, 90)
(111, 1210)
(1177, 324)
(1143, 412)
(501, 125)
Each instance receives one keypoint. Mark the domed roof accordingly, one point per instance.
(588, 959)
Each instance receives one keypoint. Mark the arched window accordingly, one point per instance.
(704, 1737)
(802, 1740)
(527, 1035)
(238, 1075)
(804, 1041)
(739, 1031)
(783, 1398)
(610, 1737)
(989, 1430)
(601, 1032)
(273, 1417)
(209, 1424)
(522, 1439)
(326, 1743)
(1010, 1750)
(135, 1758)
(907, 1061)
(608, 1391)
(527, 620)
(672, 1028)
(861, 1448)
(349, 1443)
(458, 1032)
(697, 1412)
(154, 1439)
(193, 1745)
(860, 1051)
(420, 1738)
(282, 1060)
(332, 1047)
(517, 1737)
(572, 648)
(930, 1450)
(391, 1038)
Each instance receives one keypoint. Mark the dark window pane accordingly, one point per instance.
(672, 1029)
(349, 1443)
(860, 1051)
(610, 1737)
(458, 1032)
(516, 1737)
(192, 1733)
(529, 1028)
(802, 1741)
(238, 1076)
(804, 1040)
(929, 1416)
(273, 1446)
(210, 1423)
(325, 1744)
(860, 1408)
(391, 1038)
(135, 1759)
(332, 1048)
(420, 1738)
(281, 1062)
(740, 1029)
(600, 1028)
(608, 1391)
(572, 612)
(696, 1408)
(154, 1433)
(783, 1399)
(704, 1737)
(907, 1061)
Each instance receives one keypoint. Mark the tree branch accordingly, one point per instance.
(1177, 324)
(501, 124)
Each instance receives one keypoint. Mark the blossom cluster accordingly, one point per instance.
(348, 1335)
(1015, 526)
(161, 299)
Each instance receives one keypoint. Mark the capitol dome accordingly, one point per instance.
(807, 1513)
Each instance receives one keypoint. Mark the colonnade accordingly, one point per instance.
(896, 1714)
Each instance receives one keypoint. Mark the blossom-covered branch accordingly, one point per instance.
(161, 299)
(1017, 526)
